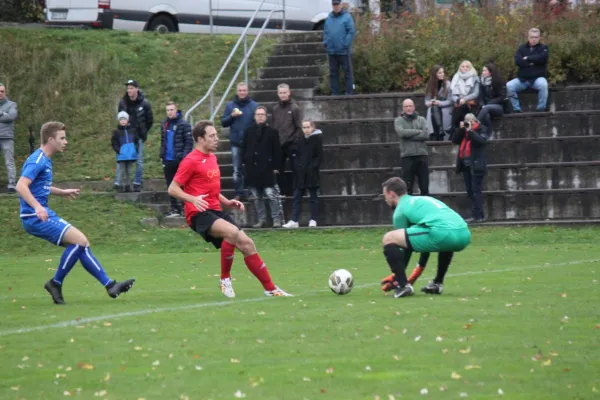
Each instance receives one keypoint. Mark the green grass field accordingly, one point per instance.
(518, 319)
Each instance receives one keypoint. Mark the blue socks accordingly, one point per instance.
(93, 267)
(67, 261)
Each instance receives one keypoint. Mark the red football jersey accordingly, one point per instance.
(199, 174)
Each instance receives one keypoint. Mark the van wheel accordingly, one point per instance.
(162, 24)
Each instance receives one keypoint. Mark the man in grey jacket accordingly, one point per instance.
(8, 115)
(412, 130)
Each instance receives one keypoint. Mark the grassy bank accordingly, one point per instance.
(77, 77)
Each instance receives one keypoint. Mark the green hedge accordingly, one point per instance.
(22, 10)
(400, 56)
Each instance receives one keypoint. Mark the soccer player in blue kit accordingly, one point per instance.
(34, 186)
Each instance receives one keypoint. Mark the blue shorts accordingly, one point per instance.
(52, 230)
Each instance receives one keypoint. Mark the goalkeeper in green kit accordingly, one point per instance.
(422, 224)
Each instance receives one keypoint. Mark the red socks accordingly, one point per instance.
(256, 265)
(227, 251)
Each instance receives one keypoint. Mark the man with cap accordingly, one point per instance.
(140, 118)
(337, 38)
(8, 115)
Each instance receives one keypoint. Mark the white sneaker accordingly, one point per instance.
(226, 288)
(277, 293)
(312, 223)
(291, 224)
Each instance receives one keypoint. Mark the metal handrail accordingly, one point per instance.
(211, 9)
(244, 62)
(235, 47)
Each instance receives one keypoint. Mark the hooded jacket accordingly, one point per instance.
(237, 126)
(183, 142)
(8, 115)
(140, 113)
(338, 33)
(309, 156)
(124, 142)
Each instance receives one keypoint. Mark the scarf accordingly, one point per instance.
(462, 83)
(465, 144)
(486, 80)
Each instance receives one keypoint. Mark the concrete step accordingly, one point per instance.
(297, 59)
(501, 151)
(381, 130)
(291, 49)
(304, 37)
(297, 83)
(289, 71)
(270, 96)
(389, 105)
(538, 205)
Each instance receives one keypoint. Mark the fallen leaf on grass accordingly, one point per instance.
(465, 351)
(396, 357)
(71, 340)
(156, 363)
(445, 351)
(107, 377)
(239, 394)
(439, 339)
(500, 392)
(68, 369)
(67, 393)
(235, 361)
(198, 368)
(81, 365)
(553, 353)
(547, 363)
(306, 379)
(417, 338)
(424, 392)
(138, 348)
(100, 393)
(107, 324)
(14, 388)
(468, 367)
(256, 382)
(563, 295)
(455, 375)
(329, 370)
(260, 341)
(463, 394)
(368, 368)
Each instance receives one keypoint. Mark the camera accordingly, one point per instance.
(468, 125)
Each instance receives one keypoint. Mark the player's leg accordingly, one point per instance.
(74, 236)
(395, 246)
(228, 232)
(227, 255)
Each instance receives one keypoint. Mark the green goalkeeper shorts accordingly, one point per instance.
(432, 240)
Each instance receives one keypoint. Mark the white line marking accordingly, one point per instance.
(83, 321)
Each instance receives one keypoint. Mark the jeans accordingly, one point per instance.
(345, 62)
(297, 205)
(473, 185)
(125, 168)
(170, 169)
(416, 166)
(515, 86)
(238, 171)
(8, 152)
(488, 111)
(272, 196)
(437, 121)
(139, 165)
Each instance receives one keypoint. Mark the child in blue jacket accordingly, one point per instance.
(124, 142)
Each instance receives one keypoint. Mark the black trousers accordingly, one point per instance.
(474, 186)
(286, 182)
(170, 169)
(416, 167)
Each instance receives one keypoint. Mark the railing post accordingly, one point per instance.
(210, 16)
(212, 103)
(284, 14)
(246, 55)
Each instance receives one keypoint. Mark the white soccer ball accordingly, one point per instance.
(341, 281)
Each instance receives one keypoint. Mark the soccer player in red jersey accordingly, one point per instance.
(198, 184)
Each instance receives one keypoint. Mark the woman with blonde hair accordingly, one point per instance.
(465, 92)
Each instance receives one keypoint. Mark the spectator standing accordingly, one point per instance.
(465, 92)
(261, 155)
(141, 118)
(287, 120)
(492, 95)
(308, 170)
(438, 100)
(412, 130)
(338, 35)
(238, 116)
(8, 115)
(532, 60)
(472, 138)
(125, 143)
(176, 142)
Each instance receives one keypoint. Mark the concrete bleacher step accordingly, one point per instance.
(270, 96)
(300, 37)
(288, 49)
(296, 59)
(381, 130)
(289, 71)
(297, 83)
(389, 105)
(500, 206)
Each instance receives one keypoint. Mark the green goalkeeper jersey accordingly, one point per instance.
(427, 212)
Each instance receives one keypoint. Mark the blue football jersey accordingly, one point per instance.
(38, 168)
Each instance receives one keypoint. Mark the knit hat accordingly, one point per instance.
(122, 115)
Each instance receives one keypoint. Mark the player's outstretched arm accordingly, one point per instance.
(68, 193)
(231, 203)
(23, 189)
(176, 190)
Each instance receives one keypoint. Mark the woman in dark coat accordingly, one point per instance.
(307, 172)
(472, 138)
(492, 92)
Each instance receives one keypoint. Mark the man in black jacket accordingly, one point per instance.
(141, 118)
(261, 155)
(176, 142)
(532, 60)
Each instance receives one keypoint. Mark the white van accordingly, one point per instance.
(191, 16)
